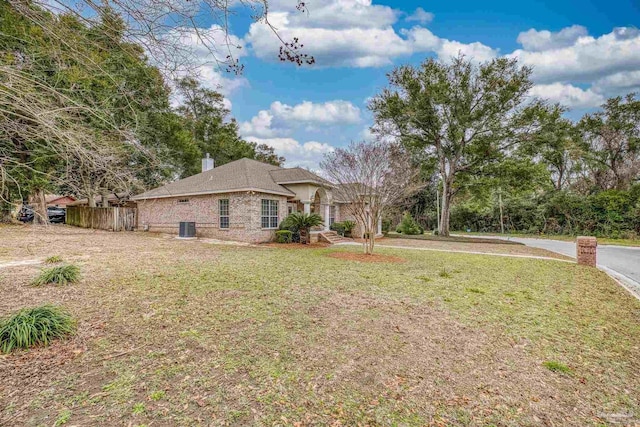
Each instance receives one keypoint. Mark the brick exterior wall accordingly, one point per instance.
(343, 214)
(165, 214)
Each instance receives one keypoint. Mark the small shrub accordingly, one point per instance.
(399, 229)
(138, 409)
(408, 225)
(60, 275)
(444, 274)
(295, 233)
(63, 418)
(34, 326)
(338, 227)
(557, 367)
(284, 236)
(53, 259)
(348, 227)
(157, 395)
(386, 225)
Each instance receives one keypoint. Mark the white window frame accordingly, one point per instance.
(221, 216)
(271, 216)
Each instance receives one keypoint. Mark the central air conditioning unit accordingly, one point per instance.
(187, 229)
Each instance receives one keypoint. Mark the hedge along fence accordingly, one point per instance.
(112, 218)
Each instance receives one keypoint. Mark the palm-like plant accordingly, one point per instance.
(303, 222)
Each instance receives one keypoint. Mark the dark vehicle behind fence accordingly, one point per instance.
(55, 214)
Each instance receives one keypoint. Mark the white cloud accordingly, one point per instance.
(568, 95)
(281, 118)
(423, 40)
(259, 125)
(587, 59)
(350, 47)
(535, 41)
(625, 81)
(421, 16)
(353, 33)
(343, 14)
(330, 112)
(306, 155)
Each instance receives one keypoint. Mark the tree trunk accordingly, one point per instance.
(5, 212)
(40, 208)
(105, 200)
(445, 212)
(91, 201)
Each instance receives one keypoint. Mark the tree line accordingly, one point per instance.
(84, 111)
(494, 159)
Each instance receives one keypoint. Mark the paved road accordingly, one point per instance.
(625, 261)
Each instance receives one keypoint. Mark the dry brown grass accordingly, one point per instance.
(175, 332)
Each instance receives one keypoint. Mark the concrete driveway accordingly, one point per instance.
(621, 261)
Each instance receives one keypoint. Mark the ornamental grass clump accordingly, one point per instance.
(60, 275)
(53, 259)
(34, 326)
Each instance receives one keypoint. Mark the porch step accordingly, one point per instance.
(333, 237)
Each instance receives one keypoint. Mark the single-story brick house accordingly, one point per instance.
(244, 200)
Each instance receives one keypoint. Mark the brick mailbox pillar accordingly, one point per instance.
(586, 250)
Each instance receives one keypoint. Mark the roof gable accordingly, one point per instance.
(297, 175)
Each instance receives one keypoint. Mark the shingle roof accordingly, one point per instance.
(112, 197)
(241, 175)
(296, 175)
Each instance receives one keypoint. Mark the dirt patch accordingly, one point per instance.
(360, 257)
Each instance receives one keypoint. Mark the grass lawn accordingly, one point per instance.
(466, 244)
(601, 240)
(175, 332)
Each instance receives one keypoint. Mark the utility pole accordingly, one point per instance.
(501, 213)
(438, 204)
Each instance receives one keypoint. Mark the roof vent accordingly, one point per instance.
(207, 163)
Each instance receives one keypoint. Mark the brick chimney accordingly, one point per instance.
(207, 163)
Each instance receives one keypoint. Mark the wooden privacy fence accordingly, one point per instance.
(113, 218)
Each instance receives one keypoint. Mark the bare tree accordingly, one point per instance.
(373, 177)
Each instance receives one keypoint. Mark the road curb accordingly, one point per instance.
(627, 283)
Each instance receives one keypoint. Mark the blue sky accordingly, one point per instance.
(582, 52)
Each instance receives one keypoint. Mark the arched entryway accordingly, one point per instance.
(321, 204)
